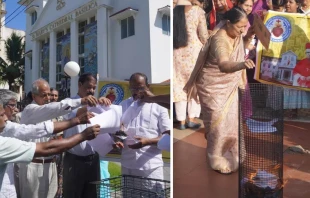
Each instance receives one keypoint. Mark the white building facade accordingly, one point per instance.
(109, 38)
(5, 34)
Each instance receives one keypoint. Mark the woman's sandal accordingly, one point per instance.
(224, 172)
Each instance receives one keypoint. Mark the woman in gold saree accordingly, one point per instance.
(219, 71)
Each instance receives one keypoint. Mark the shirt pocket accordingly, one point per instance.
(146, 117)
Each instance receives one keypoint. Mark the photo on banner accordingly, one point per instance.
(90, 46)
(287, 61)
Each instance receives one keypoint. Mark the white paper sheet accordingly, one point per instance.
(261, 127)
(102, 144)
(109, 118)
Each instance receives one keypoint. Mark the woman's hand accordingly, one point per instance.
(251, 33)
(249, 64)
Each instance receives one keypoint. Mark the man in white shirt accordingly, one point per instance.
(144, 124)
(81, 163)
(42, 180)
(13, 150)
(24, 132)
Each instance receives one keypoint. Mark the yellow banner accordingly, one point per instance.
(287, 62)
(117, 91)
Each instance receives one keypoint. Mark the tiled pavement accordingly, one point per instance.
(194, 178)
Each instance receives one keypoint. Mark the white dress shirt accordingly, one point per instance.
(82, 149)
(25, 132)
(34, 113)
(14, 150)
(148, 120)
(22, 132)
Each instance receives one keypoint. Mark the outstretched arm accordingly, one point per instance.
(53, 147)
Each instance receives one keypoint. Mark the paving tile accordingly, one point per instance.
(194, 178)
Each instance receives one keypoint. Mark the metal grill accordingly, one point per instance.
(128, 186)
(261, 141)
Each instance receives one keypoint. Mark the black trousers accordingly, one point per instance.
(78, 172)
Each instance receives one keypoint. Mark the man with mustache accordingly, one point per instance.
(81, 163)
(42, 180)
(144, 124)
(13, 150)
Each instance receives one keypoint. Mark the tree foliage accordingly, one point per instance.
(12, 67)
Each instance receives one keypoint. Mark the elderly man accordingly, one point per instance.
(42, 178)
(81, 163)
(13, 150)
(27, 131)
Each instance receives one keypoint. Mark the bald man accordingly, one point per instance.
(39, 177)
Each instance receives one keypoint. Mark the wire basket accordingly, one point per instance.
(128, 186)
(261, 141)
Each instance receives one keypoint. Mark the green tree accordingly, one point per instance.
(12, 70)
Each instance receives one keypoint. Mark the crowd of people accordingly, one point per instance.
(214, 54)
(45, 151)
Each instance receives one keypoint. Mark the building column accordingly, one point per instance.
(36, 68)
(74, 36)
(52, 60)
(102, 42)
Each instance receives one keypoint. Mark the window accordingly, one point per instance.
(127, 27)
(33, 17)
(93, 19)
(81, 36)
(82, 65)
(59, 70)
(166, 24)
(44, 60)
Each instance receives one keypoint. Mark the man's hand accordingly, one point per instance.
(104, 101)
(308, 78)
(146, 96)
(142, 143)
(250, 33)
(84, 118)
(89, 100)
(118, 145)
(91, 132)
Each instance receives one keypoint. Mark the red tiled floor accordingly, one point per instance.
(194, 178)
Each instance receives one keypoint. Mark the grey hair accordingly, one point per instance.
(7, 95)
(35, 85)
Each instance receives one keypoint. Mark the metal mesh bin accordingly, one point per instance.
(261, 141)
(128, 186)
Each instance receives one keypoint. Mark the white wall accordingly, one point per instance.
(131, 54)
(160, 43)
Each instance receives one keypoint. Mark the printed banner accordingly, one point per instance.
(287, 61)
(90, 46)
(45, 62)
(66, 54)
(65, 57)
(117, 91)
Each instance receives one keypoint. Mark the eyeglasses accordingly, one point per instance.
(12, 105)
